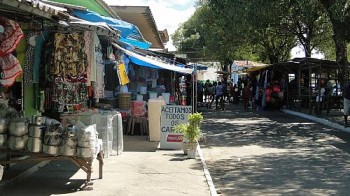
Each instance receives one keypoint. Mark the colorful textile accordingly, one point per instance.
(11, 36)
(123, 76)
(10, 70)
(89, 51)
(69, 93)
(70, 60)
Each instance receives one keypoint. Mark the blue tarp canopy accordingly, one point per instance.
(150, 62)
(129, 32)
(199, 66)
(142, 63)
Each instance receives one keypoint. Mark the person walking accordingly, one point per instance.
(247, 93)
(206, 91)
(219, 96)
(212, 94)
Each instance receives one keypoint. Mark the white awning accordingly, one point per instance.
(153, 61)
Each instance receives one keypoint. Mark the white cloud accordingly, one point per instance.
(167, 14)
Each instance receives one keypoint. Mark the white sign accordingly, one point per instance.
(172, 115)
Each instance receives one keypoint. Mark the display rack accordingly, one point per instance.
(83, 163)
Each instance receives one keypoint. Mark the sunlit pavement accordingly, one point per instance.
(272, 153)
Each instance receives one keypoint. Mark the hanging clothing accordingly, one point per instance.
(123, 76)
(89, 51)
(29, 59)
(11, 36)
(69, 93)
(10, 70)
(111, 77)
(40, 39)
(95, 60)
(99, 83)
(70, 60)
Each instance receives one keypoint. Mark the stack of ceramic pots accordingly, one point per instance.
(18, 130)
(69, 141)
(87, 141)
(36, 132)
(52, 139)
(4, 125)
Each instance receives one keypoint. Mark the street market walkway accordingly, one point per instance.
(273, 153)
(141, 169)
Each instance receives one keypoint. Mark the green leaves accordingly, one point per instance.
(191, 130)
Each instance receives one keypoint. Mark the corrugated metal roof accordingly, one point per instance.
(37, 8)
(142, 17)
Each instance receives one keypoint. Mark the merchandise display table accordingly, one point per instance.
(83, 163)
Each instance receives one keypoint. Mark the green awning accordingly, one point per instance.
(91, 5)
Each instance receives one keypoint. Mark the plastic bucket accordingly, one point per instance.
(153, 95)
(166, 97)
(139, 97)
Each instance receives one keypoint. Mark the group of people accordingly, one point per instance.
(220, 92)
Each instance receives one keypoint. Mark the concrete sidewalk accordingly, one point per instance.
(141, 169)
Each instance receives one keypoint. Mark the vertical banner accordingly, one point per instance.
(172, 115)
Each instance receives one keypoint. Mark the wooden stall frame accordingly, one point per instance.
(83, 163)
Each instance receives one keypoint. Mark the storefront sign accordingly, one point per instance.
(172, 115)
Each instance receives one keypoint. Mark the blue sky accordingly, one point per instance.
(168, 14)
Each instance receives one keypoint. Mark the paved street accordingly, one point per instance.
(272, 153)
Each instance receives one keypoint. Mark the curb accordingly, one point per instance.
(318, 120)
(206, 173)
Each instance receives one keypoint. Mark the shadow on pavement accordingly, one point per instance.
(52, 179)
(271, 152)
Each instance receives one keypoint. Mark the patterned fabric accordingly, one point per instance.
(28, 61)
(69, 58)
(11, 36)
(69, 93)
(99, 84)
(89, 51)
(10, 70)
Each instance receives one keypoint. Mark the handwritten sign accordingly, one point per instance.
(172, 115)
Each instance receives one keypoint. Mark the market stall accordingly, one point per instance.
(313, 84)
(52, 69)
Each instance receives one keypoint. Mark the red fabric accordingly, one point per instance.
(11, 36)
(10, 70)
(268, 92)
(276, 89)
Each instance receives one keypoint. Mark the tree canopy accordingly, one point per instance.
(265, 30)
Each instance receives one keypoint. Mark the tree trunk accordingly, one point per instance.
(339, 38)
(273, 59)
(307, 48)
